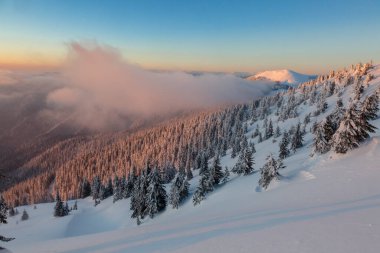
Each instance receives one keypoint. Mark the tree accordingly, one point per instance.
(75, 207)
(138, 199)
(284, 150)
(269, 130)
(24, 215)
(3, 218)
(117, 194)
(205, 186)
(323, 135)
(179, 190)
(216, 173)
(270, 171)
(95, 187)
(226, 175)
(297, 140)
(277, 132)
(353, 129)
(59, 209)
(245, 163)
(85, 189)
(370, 107)
(156, 197)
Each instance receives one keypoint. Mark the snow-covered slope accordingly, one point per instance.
(284, 76)
(324, 203)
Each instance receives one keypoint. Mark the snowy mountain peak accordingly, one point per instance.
(283, 76)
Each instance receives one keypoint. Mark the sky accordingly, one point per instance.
(306, 36)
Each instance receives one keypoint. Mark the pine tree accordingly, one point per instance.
(205, 186)
(12, 212)
(269, 130)
(353, 129)
(297, 140)
(75, 207)
(59, 209)
(95, 187)
(323, 135)
(284, 150)
(245, 163)
(216, 173)
(370, 107)
(204, 164)
(179, 190)
(138, 198)
(277, 132)
(226, 175)
(156, 196)
(118, 194)
(270, 171)
(3, 218)
(24, 216)
(85, 189)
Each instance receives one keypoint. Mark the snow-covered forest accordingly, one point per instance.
(246, 155)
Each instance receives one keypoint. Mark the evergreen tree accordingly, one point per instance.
(245, 163)
(156, 197)
(216, 173)
(205, 186)
(118, 194)
(204, 164)
(297, 140)
(85, 189)
(226, 175)
(24, 215)
(353, 129)
(269, 130)
(59, 209)
(284, 150)
(138, 199)
(95, 187)
(12, 212)
(277, 132)
(370, 107)
(3, 218)
(270, 171)
(179, 190)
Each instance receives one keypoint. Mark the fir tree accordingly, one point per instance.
(3, 218)
(226, 175)
(95, 187)
(216, 173)
(297, 140)
(179, 190)
(353, 129)
(59, 209)
(370, 107)
(269, 130)
(24, 216)
(118, 194)
(156, 195)
(75, 207)
(284, 150)
(277, 132)
(205, 186)
(270, 171)
(245, 163)
(85, 189)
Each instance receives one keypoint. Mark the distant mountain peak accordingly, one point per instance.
(283, 76)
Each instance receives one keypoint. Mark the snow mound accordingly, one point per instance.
(283, 76)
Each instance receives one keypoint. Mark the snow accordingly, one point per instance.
(326, 203)
(283, 76)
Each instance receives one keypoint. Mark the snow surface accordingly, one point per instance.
(283, 76)
(328, 203)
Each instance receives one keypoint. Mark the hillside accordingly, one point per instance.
(323, 201)
(283, 76)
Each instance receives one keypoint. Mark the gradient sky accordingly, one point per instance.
(306, 36)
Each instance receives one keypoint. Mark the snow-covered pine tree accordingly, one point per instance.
(322, 136)
(3, 218)
(156, 195)
(205, 185)
(370, 107)
(284, 150)
(24, 216)
(277, 133)
(75, 207)
(117, 194)
(226, 175)
(245, 163)
(138, 198)
(270, 171)
(179, 190)
(269, 130)
(216, 173)
(95, 187)
(204, 164)
(353, 129)
(297, 140)
(59, 209)
(85, 189)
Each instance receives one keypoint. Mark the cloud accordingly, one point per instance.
(102, 88)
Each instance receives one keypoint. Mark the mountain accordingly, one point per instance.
(283, 76)
(321, 201)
